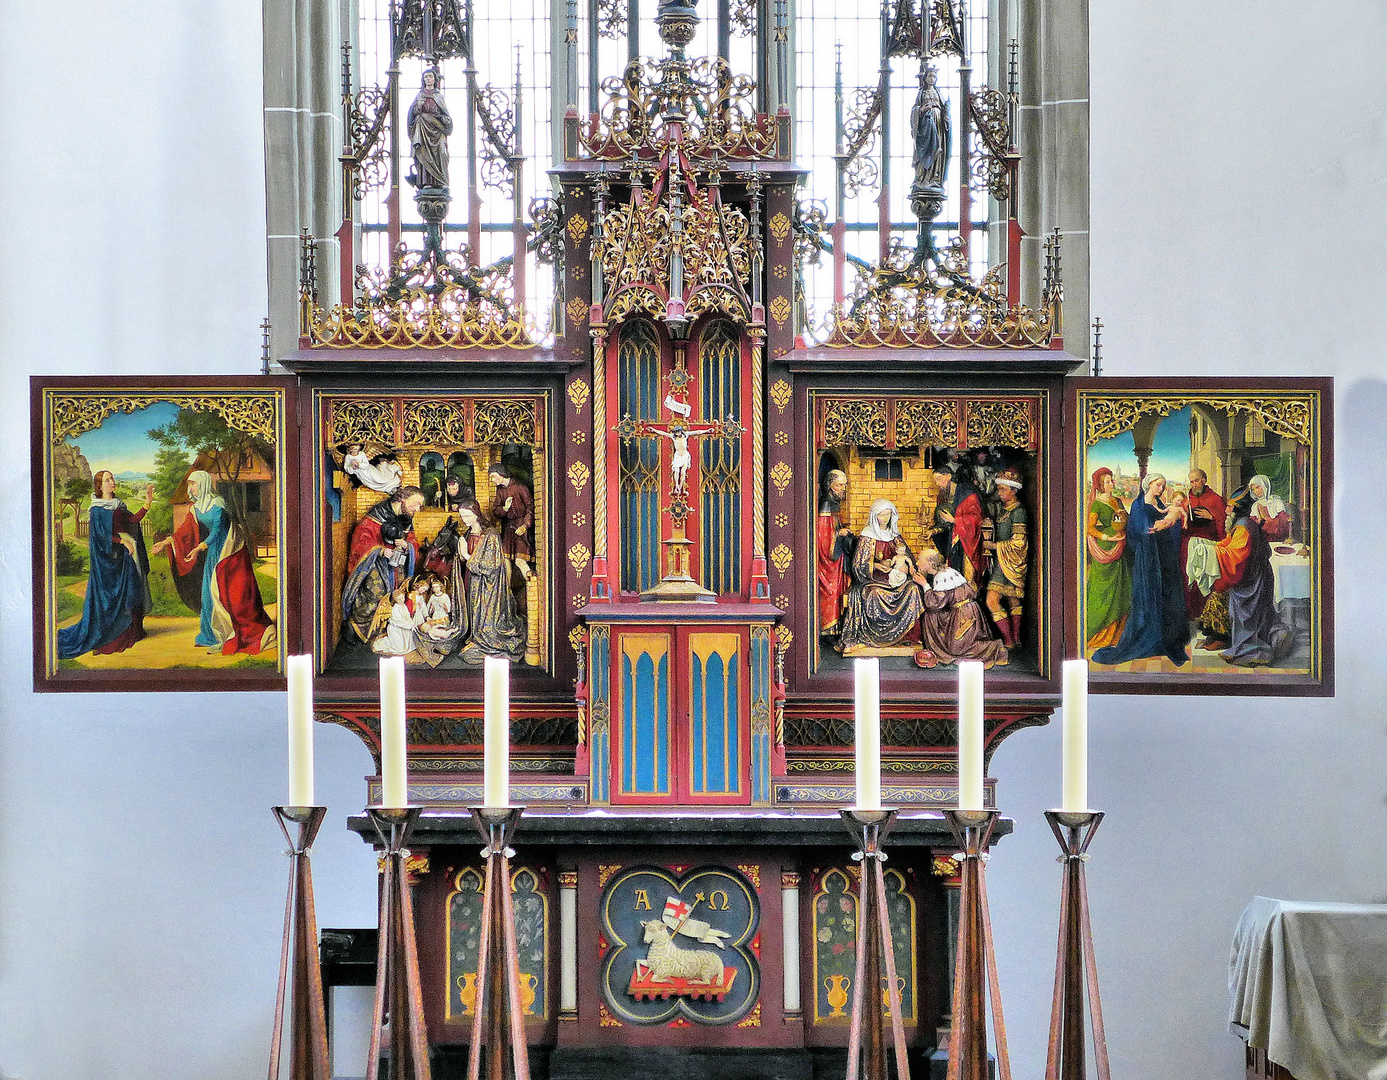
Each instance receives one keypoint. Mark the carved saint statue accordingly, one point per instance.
(430, 124)
(929, 124)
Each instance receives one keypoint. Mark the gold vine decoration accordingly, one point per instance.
(434, 422)
(504, 421)
(76, 414)
(363, 420)
(926, 423)
(1106, 417)
(999, 423)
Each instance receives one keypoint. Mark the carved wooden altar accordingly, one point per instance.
(679, 509)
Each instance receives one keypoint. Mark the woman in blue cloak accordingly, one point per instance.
(1157, 623)
(117, 596)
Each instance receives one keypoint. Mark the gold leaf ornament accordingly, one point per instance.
(578, 476)
(781, 558)
(578, 557)
(780, 227)
(781, 475)
(780, 394)
(578, 391)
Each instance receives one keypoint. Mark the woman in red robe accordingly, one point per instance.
(209, 541)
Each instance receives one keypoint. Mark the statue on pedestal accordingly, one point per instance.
(429, 125)
(929, 125)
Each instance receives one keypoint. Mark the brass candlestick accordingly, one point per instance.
(298, 957)
(1076, 970)
(498, 958)
(398, 994)
(975, 963)
(867, 1049)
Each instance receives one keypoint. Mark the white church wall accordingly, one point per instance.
(1237, 193)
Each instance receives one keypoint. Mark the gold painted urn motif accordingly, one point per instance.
(529, 984)
(837, 986)
(467, 991)
(886, 992)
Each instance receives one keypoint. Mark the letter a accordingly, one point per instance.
(642, 900)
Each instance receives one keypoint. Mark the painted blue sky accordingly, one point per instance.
(1170, 454)
(122, 442)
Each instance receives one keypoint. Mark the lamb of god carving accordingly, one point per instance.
(669, 970)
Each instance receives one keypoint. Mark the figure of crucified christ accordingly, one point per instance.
(679, 434)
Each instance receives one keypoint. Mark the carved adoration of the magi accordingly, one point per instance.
(434, 527)
(899, 503)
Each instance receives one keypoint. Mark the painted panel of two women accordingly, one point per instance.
(1147, 554)
(208, 548)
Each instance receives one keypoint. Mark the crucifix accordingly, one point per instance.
(678, 584)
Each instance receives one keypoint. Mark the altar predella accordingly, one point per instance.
(681, 383)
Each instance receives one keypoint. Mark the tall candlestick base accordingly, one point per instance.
(498, 1005)
(975, 962)
(1076, 970)
(399, 997)
(867, 1048)
(298, 958)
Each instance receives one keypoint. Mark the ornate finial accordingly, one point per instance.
(1097, 347)
(308, 265)
(677, 20)
(265, 345)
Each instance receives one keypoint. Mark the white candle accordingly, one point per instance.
(1074, 783)
(867, 696)
(496, 771)
(300, 672)
(970, 697)
(393, 754)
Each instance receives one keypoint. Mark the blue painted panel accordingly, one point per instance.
(661, 729)
(732, 729)
(699, 735)
(644, 730)
(645, 726)
(715, 743)
(628, 727)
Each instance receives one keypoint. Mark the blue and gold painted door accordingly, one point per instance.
(643, 768)
(717, 734)
(681, 716)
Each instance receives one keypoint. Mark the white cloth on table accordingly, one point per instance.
(1309, 982)
(1201, 566)
(1292, 576)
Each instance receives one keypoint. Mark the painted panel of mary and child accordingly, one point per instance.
(434, 508)
(926, 530)
(1202, 536)
(163, 542)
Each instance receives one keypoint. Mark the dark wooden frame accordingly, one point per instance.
(1239, 682)
(538, 684)
(175, 679)
(909, 374)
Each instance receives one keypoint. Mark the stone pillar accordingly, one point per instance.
(1054, 143)
(789, 906)
(303, 136)
(568, 945)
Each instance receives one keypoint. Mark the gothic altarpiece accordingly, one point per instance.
(604, 434)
